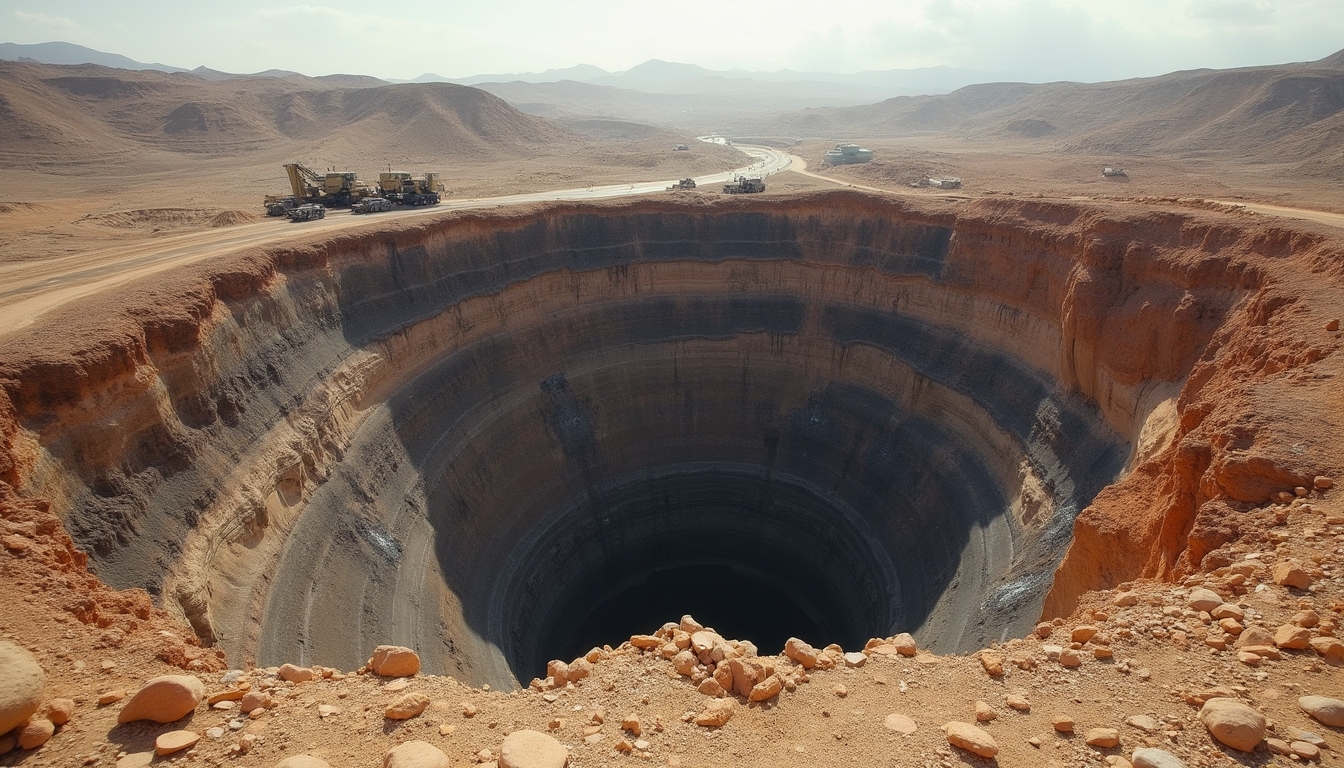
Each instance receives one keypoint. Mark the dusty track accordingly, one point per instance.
(31, 289)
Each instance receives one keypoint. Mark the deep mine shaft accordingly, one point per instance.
(506, 438)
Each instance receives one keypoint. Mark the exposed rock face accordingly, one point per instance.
(456, 415)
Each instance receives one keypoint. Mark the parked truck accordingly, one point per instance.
(744, 186)
(402, 188)
(307, 212)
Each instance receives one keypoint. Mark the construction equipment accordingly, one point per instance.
(847, 154)
(744, 186)
(372, 205)
(945, 182)
(307, 212)
(335, 189)
(403, 189)
(280, 205)
(681, 148)
(1113, 171)
(683, 184)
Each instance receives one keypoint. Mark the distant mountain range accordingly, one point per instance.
(658, 76)
(653, 76)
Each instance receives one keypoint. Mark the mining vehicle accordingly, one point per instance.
(280, 205)
(335, 189)
(1113, 171)
(403, 189)
(372, 205)
(743, 186)
(846, 154)
(307, 212)
(683, 184)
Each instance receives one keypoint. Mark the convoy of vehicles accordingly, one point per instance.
(343, 189)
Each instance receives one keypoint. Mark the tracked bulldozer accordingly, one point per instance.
(744, 186)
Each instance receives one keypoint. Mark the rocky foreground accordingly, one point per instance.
(1239, 665)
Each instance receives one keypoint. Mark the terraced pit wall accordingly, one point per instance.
(505, 437)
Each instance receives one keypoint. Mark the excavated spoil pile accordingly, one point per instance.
(502, 438)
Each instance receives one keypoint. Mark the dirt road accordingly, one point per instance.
(29, 289)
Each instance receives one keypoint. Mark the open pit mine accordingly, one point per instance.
(505, 437)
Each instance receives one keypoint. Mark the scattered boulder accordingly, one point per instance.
(855, 659)
(1203, 599)
(992, 663)
(684, 662)
(645, 642)
(1083, 633)
(406, 707)
(900, 723)
(1329, 647)
(415, 754)
(970, 738)
(59, 711)
(532, 749)
(1105, 738)
(766, 689)
(1233, 723)
(1149, 757)
(1255, 635)
(36, 732)
(1292, 637)
(175, 741)
(717, 713)
(1063, 724)
(800, 652)
(163, 699)
(984, 713)
(296, 674)
(1017, 702)
(905, 644)
(1290, 573)
(394, 661)
(1323, 709)
(21, 684)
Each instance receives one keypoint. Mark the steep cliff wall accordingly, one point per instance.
(831, 415)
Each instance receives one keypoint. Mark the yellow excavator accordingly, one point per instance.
(334, 189)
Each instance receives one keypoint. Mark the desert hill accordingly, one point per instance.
(1289, 112)
(68, 113)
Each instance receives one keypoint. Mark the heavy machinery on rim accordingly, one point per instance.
(847, 154)
(343, 189)
(403, 189)
(687, 183)
(744, 186)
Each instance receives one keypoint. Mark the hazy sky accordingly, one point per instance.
(1038, 39)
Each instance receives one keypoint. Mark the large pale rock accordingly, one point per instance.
(766, 689)
(303, 761)
(163, 699)
(1149, 757)
(905, 644)
(415, 754)
(972, 739)
(1255, 635)
(21, 684)
(394, 661)
(1290, 573)
(801, 652)
(900, 723)
(1104, 738)
(296, 674)
(532, 749)
(1202, 599)
(1324, 709)
(717, 713)
(1233, 723)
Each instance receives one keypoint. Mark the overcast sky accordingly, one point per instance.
(1086, 40)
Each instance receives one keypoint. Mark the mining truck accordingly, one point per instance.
(372, 205)
(683, 184)
(403, 189)
(1109, 171)
(281, 205)
(334, 189)
(846, 154)
(743, 186)
(307, 212)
